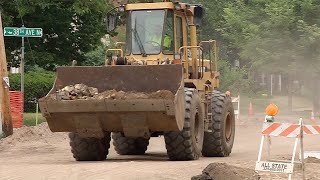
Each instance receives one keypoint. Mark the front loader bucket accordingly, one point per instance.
(134, 117)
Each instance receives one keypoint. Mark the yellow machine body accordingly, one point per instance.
(187, 65)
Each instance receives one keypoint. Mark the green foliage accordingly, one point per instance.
(37, 85)
(275, 35)
(71, 29)
(232, 78)
(96, 57)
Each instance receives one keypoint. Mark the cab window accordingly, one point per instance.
(179, 33)
(168, 43)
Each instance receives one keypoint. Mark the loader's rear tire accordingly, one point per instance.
(129, 146)
(219, 142)
(89, 149)
(187, 144)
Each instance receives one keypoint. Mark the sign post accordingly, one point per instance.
(22, 67)
(23, 32)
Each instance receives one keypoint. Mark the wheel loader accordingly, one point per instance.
(161, 52)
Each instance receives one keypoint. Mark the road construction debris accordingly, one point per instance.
(30, 134)
(81, 91)
(312, 160)
(77, 91)
(121, 95)
(202, 177)
(223, 171)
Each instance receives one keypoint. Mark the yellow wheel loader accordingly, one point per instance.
(161, 52)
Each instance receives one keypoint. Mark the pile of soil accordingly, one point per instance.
(312, 160)
(82, 91)
(223, 171)
(113, 94)
(29, 134)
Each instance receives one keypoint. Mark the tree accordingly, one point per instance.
(276, 36)
(71, 29)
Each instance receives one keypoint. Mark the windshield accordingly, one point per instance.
(144, 32)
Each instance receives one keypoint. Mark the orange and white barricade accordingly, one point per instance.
(311, 130)
(297, 131)
(236, 102)
(274, 129)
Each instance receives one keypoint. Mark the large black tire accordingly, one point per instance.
(129, 146)
(89, 149)
(219, 142)
(187, 144)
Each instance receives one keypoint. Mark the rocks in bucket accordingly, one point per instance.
(82, 91)
(77, 91)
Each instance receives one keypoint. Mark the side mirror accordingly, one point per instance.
(111, 21)
(198, 15)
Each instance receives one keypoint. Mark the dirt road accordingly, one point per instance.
(40, 154)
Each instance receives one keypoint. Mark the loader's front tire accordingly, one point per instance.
(129, 146)
(219, 142)
(89, 149)
(187, 144)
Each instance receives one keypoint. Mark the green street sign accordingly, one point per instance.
(23, 32)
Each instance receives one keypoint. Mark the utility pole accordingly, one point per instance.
(5, 114)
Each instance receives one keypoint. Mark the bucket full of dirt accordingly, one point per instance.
(135, 100)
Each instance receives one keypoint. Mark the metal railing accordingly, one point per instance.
(186, 60)
(213, 60)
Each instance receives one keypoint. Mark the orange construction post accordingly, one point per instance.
(251, 109)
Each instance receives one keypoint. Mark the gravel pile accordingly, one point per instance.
(78, 91)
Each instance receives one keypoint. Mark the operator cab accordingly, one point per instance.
(164, 33)
(149, 32)
(154, 31)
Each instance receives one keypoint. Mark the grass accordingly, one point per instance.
(29, 119)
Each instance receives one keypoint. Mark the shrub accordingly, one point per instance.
(37, 85)
(232, 78)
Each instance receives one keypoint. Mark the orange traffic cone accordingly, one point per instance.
(251, 109)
